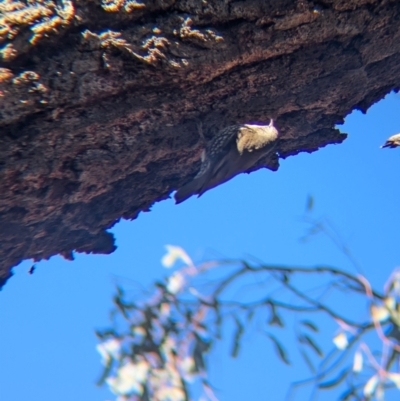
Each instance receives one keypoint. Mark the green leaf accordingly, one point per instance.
(310, 325)
(310, 203)
(145, 395)
(105, 374)
(99, 334)
(119, 303)
(218, 321)
(120, 291)
(160, 285)
(308, 361)
(279, 349)
(237, 337)
(113, 314)
(336, 381)
(198, 356)
(305, 339)
(250, 315)
(246, 264)
(314, 230)
(106, 333)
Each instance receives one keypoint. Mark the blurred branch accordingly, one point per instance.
(162, 351)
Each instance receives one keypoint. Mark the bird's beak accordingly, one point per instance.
(386, 145)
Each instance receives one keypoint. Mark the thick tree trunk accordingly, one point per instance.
(100, 101)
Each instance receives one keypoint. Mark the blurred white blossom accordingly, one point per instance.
(370, 387)
(380, 393)
(170, 394)
(374, 386)
(379, 313)
(358, 362)
(130, 378)
(173, 254)
(187, 367)
(175, 283)
(341, 341)
(109, 349)
(395, 378)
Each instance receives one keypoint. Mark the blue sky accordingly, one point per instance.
(47, 341)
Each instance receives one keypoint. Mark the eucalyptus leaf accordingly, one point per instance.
(308, 361)
(305, 339)
(279, 349)
(237, 337)
(310, 325)
(336, 381)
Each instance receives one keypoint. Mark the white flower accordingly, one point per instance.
(395, 378)
(175, 283)
(358, 362)
(380, 393)
(170, 394)
(379, 313)
(341, 341)
(130, 378)
(187, 367)
(109, 349)
(370, 387)
(173, 254)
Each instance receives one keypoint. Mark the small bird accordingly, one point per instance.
(232, 151)
(392, 142)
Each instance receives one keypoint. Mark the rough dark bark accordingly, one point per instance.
(98, 125)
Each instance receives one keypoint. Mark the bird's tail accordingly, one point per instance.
(189, 189)
(388, 144)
